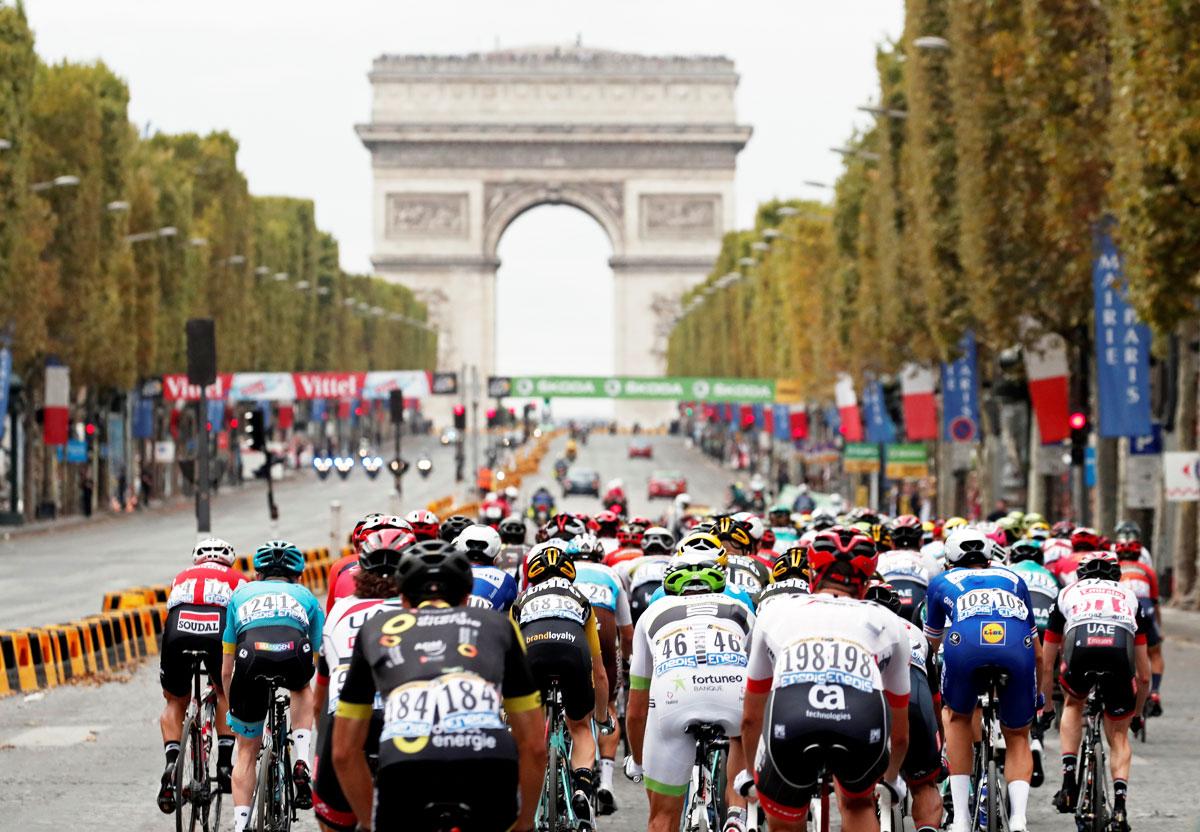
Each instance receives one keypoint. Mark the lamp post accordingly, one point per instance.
(65, 181)
(932, 43)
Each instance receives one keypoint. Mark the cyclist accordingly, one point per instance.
(688, 667)
(629, 544)
(827, 686)
(609, 600)
(512, 544)
(341, 564)
(643, 576)
(779, 519)
(374, 584)
(923, 763)
(341, 584)
(494, 588)
(983, 613)
(196, 612)
(562, 640)
(457, 752)
(1025, 558)
(906, 567)
(789, 576)
(1083, 541)
(608, 523)
(1129, 531)
(704, 545)
(260, 638)
(1102, 629)
(1137, 572)
(743, 569)
(424, 524)
(453, 526)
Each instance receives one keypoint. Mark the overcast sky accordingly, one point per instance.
(288, 79)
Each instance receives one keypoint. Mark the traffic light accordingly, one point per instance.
(460, 417)
(256, 429)
(1078, 422)
(491, 417)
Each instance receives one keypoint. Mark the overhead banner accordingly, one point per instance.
(1122, 349)
(907, 461)
(674, 388)
(849, 418)
(290, 387)
(860, 458)
(880, 427)
(920, 406)
(960, 394)
(56, 411)
(1046, 368)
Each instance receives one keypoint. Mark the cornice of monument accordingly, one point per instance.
(543, 61)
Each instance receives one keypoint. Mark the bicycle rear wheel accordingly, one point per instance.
(716, 786)
(212, 813)
(187, 806)
(1099, 789)
(550, 801)
(997, 799)
(263, 791)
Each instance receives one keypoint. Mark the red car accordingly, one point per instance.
(640, 448)
(666, 484)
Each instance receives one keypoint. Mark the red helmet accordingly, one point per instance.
(355, 538)
(644, 522)
(768, 539)
(854, 550)
(592, 524)
(378, 524)
(906, 532)
(380, 551)
(630, 536)
(607, 522)
(565, 526)
(1085, 540)
(1128, 549)
(425, 524)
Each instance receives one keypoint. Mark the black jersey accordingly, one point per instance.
(748, 573)
(444, 674)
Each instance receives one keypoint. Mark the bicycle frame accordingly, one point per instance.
(1094, 806)
(554, 812)
(196, 790)
(988, 764)
(704, 807)
(274, 804)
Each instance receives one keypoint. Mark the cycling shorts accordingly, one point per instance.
(669, 751)
(911, 594)
(329, 801)
(639, 598)
(923, 762)
(558, 651)
(261, 653)
(968, 653)
(190, 627)
(487, 787)
(810, 728)
(1109, 654)
(1153, 634)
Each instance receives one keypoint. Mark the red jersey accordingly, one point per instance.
(341, 580)
(205, 585)
(623, 554)
(1141, 579)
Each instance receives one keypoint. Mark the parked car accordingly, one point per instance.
(581, 481)
(666, 484)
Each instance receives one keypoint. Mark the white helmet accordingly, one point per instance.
(511, 492)
(213, 550)
(754, 522)
(969, 546)
(481, 544)
(684, 499)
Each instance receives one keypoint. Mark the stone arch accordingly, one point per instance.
(504, 202)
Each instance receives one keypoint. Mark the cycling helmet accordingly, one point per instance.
(704, 546)
(642, 522)
(1039, 530)
(754, 524)
(1062, 528)
(549, 560)
(767, 541)
(586, 547)
(565, 526)
(884, 594)
(381, 553)
(424, 524)
(821, 520)
(1026, 549)
(845, 556)
(793, 563)
(607, 522)
(481, 544)
(278, 558)
(860, 514)
(512, 529)
(491, 514)
(906, 532)
(453, 526)
(355, 534)
(728, 529)
(630, 536)
(657, 541)
(969, 547)
(952, 524)
(692, 573)
(1128, 549)
(381, 522)
(1084, 539)
(433, 570)
(1128, 530)
(1031, 518)
(1099, 565)
(213, 550)
(511, 493)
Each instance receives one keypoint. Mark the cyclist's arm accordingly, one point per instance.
(638, 707)
(600, 678)
(1049, 654)
(228, 644)
(523, 705)
(316, 625)
(897, 688)
(353, 720)
(760, 672)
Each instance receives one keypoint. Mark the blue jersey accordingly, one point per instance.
(273, 603)
(494, 588)
(599, 583)
(737, 593)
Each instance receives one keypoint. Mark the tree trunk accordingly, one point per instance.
(1035, 489)
(1184, 543)
(1106, 484)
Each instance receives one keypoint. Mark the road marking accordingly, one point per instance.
(56, 736)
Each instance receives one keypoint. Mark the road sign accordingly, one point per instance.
(963, 429)
(77, 450)
(671, 388)
(1151, 445)
(1181, 476)
(500, 386)
(907, 461)
(1143, 474)
(444, 384)
(860, 458)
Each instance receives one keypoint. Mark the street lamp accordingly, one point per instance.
(66, 181)
(302, 285)
(759, 245)
(158, 233)
(262, 271)
(812, 183)
(117, 206)
(5, 144)
(235, 259)
(168, 231)
(770, 234)
(933, 43)
(280, 277)
(747, 262)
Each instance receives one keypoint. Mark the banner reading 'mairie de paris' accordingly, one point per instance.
(674, 388)
(288, 387)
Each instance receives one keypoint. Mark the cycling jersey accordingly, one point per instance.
(618, 555)
(272, 603)
(1043, 589)
(832, 667)
(512, 555)
(905, 563)
(642, 577)
(749, 573)
(604, 590)
(337, 588)
(446, 675)
(561, 637)
(1143, 580)
(609, 544)
(195, 621)
(689, 652)
(786, 588)
(205, 585)
(936, 550)
(494, 588)
(986, 618)
(923, 762)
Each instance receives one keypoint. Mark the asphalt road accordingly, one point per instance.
(89, 756)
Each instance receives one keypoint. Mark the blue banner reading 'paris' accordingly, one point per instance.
(878, 423)
(960, 394)
(1122, 349)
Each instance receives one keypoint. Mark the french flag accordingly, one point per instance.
(920, 408)
(1046, 368)
(847, 405)
(56, 422)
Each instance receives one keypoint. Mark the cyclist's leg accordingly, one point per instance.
(667, 757)
(247, 711)
(923, 762)
(857, 810)
(665, 810)
(1120, 704)
(225, 737)
(609, 743)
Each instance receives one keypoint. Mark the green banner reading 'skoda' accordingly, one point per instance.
(675, 388)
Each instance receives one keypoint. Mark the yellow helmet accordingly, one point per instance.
(954, 523)
(928, 526)
(703, 543)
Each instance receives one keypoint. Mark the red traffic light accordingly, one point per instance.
(233, 423)
(459, 410)
(89, 429)
(491, 414)
(1077, 421)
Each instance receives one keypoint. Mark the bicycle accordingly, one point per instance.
(1093, 807)
(195, 781)
(555, 812)
(818, 814)
(705, 803)
(445, 817)
(990, 785)
(274, 803)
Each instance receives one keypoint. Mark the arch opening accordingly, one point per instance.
(554, 300)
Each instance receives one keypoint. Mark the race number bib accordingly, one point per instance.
(990, 602)
(337, 678)
(551, 606)
(479, 602)
(450, 704)
(601, 595)
(828, 661)
(272, 605)
(746, 579)
(711, 645)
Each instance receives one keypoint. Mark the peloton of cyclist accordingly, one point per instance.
(196, 612)
(643, 576)
(273, 628)
(905, 567)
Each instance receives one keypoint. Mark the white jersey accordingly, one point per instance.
(610, 544)
(690, 652)
(905, 564)
(829, 640)
(918, 645)
(787, 588)
(1094, 601)
(936, 550)
(337, 640)
(1055, 548)
(644, 570)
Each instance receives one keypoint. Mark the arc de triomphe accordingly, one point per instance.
(462, 145)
